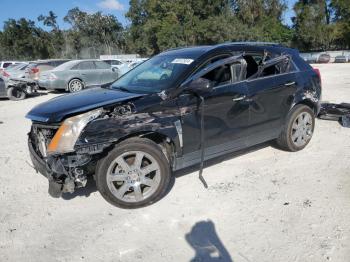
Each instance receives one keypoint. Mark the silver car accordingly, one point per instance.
(76, 75)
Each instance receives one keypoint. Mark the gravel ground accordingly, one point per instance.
(261, 205)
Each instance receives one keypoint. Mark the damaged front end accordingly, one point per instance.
(53, 153)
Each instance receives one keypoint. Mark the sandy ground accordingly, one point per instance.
(263, 205)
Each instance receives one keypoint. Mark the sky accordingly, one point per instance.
(31, 9)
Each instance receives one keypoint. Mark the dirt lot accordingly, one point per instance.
(262, 205)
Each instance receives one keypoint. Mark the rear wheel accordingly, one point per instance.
(134, 174)
(298, 129)
(75, 85)
(15, 93)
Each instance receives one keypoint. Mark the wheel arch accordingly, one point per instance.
(309, 103)
(167, 143)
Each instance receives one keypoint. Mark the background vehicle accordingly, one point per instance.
(309, 58)
(15, 70)
(16, 88)
(122, 67)
(78, 74)
(341, 59)
(35, 68)
(134, 64)
(5, 64)
(324, 58)
(202, 102)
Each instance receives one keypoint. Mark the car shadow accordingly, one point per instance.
(91, 184)
(206, 243)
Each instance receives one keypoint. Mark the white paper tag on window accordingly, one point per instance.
(185, 61)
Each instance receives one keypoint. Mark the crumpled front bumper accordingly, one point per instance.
(38, 163)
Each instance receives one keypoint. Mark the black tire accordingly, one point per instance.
(75, 85)
(15, 94)
(285, 140)
(130, 145)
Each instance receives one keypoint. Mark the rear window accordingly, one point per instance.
(5, 65)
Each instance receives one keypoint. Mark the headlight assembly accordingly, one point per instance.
(69, 132)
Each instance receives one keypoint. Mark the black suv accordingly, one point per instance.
(177, 109)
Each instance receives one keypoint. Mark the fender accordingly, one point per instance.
(114, 127)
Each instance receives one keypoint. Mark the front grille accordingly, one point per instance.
(41, 136)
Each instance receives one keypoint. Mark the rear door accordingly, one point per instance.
(270, 95)
(89, 74)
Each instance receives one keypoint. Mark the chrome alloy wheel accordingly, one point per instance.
(75, 86)
(133, 176)
(302, 129)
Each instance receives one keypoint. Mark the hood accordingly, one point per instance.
(56, 109)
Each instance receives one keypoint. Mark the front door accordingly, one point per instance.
(226, 112)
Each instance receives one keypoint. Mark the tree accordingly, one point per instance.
(94, 34)
(341, 9)
(53, 39)
(313, 30)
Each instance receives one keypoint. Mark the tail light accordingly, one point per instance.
(5, 74)
(35, 70)
(317, 71)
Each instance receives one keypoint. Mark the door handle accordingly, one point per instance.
(238, 98)
(289, 83)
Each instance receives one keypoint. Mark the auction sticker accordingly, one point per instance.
(184, 61)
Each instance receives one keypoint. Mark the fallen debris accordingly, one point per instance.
(336, 112)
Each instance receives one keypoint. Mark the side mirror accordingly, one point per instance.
(200, 85)
(114, 69)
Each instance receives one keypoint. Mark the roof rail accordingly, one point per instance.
(251, 43)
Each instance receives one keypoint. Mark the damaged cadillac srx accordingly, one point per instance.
(177, 109)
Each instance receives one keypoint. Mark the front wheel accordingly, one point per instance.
(15, 93)
(134, 174)
(298, 130)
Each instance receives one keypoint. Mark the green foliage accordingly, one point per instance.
(157, 25)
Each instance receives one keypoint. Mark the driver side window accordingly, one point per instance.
(219, 76)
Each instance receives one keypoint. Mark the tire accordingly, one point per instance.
(75, 85)
(121, 183)
(298, 129)
(15, 94)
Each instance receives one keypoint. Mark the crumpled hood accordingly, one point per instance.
(56, 109)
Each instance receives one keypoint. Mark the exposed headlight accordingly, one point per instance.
(69, 132)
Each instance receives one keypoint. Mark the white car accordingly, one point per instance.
(115, 63)
(5, 64)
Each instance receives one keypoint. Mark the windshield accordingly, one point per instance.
(154, 75)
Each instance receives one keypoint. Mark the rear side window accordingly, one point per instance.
(102, 65)
(5, 65)
(281, 67)
(87, 65)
